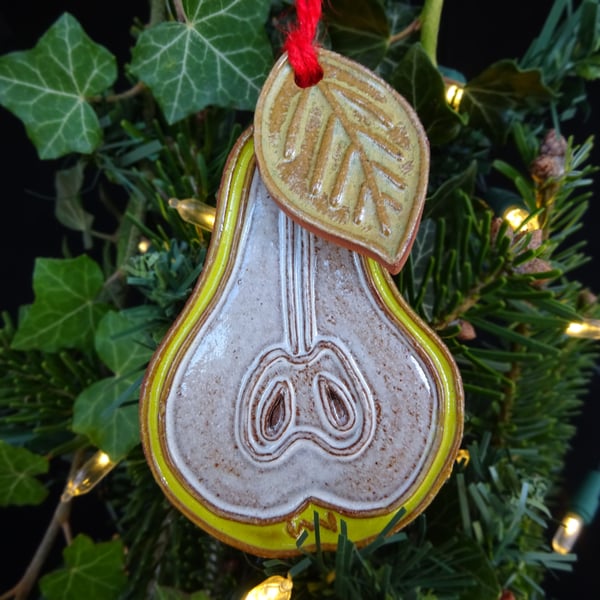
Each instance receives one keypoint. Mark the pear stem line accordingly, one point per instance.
(297, 280)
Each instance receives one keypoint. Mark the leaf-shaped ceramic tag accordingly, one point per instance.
(347, 158)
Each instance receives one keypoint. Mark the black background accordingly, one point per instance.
(473, 35)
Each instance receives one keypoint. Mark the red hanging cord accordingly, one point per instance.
(299, 44)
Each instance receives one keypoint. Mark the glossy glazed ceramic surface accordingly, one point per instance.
(296, 380)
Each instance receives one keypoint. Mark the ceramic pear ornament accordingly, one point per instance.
(297, 382)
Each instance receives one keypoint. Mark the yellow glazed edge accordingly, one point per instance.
(274, 539)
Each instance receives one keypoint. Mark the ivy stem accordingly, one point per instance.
(133, 91)
(430, 27)
(157, 12)
(179, 11)
(130, 93)
(411, 28)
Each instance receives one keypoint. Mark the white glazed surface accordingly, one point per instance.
(212, 424)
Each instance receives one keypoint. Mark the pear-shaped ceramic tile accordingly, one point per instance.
(296, 381)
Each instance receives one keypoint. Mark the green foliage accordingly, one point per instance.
(493, 97)
(49, 88)
(164, 593)
(37, 391)
(395, 567)
(18, 468)
(91, 570)
(166, 277)
(66, 309)
(419, 81)
(106, 412)
(358, 29)
(504, 512)
(68, 209)
(71, 369)
(192, 64)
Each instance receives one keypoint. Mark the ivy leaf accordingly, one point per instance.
(104, 413)
(445, 192)
(420, 82)
(400, 16)
(490, 98)
(121, 340)
(18, 466)
(65, 311)
(91, 571)
(48, 88)
(166, 593)
(358, 29)
(219, 56)
(68, 208)
(420, 256)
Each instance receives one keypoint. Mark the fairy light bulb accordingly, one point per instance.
(94, 470)
(567, 533)
(144, 245)
(195, 212)
(454, 95)
(582, 511)
(519, 218)
(273, 588)
(586, 328)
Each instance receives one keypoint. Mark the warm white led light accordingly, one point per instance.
(89, 475)
(144, 245)
(567, 533)
(195, 212)
(587, 328)
(454, 95)
(517, 218)
(273, 588)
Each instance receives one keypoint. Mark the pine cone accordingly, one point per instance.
(545, 167)
(554, 145)
(550, 163)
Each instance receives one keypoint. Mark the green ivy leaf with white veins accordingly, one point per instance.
(48, 88)
(219, 56)
(66, 309)
(90, 571)
(122, 340)
(106, 413)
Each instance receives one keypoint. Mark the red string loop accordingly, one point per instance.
(300, 46)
